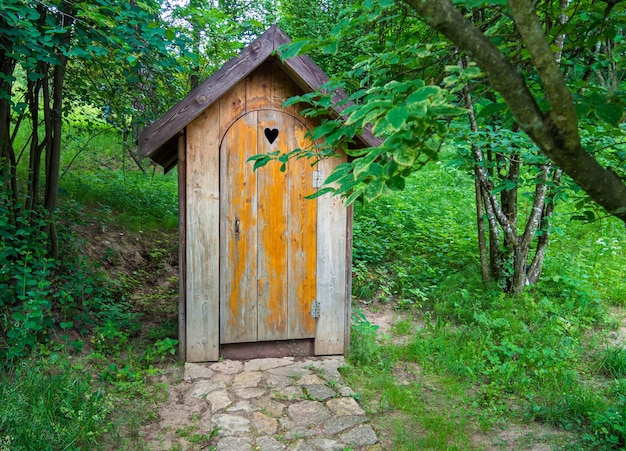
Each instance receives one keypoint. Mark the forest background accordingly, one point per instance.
(490, 218)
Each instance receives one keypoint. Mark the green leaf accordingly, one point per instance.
(423, 93)
(338, 173)
(296, 99)
(292, 49)
(331, 48)
(355, 195)
(18, 316)
(472, 72)
(582, 108)
(505, 185)
(404, 156)
(611, 113)
(397, 117)
(322, 130)
(368, 111)
(374, 190)
(396, 183)
(321, 192)
(259, 161)
(491, 109)
(170, 34)
(363, 164)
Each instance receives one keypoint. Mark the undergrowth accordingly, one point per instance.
(541, 356)
(138, 201)
(470, 358)
(76, 363)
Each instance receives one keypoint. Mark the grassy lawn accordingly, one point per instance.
(463, 366)
(453, 365)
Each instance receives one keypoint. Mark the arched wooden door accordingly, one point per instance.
(268, 233)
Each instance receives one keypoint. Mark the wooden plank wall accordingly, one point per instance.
(202, 219)
(331, 269)
(182, 249)
(303, 240)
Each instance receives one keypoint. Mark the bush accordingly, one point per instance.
(25, 286)
(364, 350)
(406, 244)
(38, 293)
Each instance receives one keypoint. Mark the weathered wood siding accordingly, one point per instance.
(238, 233)
(332, 221)
(257, 252)
(182, 251)
(202, 237)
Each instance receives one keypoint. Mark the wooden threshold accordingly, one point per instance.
(268, 349)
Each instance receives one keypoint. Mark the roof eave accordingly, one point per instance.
(158, 142)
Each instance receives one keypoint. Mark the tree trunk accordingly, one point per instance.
(554, 132)
(34, 167)
(485, 268)
(534, 271)
(8, 180)
(53, 152)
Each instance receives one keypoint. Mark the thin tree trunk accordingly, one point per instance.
(534, 271)
(34, 167)
(8, 179)
(485, 268)
(555, 131)
(53, 157)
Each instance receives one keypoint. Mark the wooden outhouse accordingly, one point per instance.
(263, 271)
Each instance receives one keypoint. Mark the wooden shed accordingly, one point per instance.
(263, 271)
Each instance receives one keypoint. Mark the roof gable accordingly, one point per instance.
(158, 142)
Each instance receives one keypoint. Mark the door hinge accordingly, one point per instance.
(315, 309)
(317, 179)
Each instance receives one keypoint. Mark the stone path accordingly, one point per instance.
(262, 404)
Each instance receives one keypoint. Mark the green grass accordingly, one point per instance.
(470, 359)
(533, 358)
(51, 404)
(138, 201)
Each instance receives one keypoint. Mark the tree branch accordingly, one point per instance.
(563, 113)
(553, 132)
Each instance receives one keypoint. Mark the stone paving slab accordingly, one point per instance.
(272, 404)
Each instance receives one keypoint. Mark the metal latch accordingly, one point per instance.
(315, 309)
(317, 179)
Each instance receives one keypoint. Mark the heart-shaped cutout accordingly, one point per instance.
(271, 134)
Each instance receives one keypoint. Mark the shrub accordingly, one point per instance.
(364, 350)
(25, 285)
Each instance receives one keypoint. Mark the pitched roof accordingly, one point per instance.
(158, 140)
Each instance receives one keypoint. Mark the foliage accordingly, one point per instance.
(311, 20)
(25, 285)
(407, 244)
(396, 93)
(524, 358)
(61, 57)
(608, 427)
(141, 201)
(363, 349)
(50, 403)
